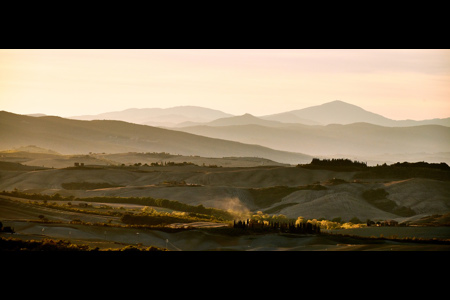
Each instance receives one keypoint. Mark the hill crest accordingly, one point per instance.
(159, 116)
(340, 112)
(245, 119)
(68, 136)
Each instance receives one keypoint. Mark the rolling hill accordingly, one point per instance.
(68, 136)
(159, 116)
(245, 119)
(334, 112)
(357, 140)
(245, 184)
(340, 112)
(290, 191)
(44, 158)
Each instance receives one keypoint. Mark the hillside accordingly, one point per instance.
(340, 112)
(346, 201)
(290, 191)
(69, 228)
(334, 112)
(245, 119)
(360, 139)
(45, 158)
(75, 137)
(337, 112)
(159, 116)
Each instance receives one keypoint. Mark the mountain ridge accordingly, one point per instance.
(354, 140)
(334, 112)
(244, 119)
(69, 136)
(147, 116)
(340, 112)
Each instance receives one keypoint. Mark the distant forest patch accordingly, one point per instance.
(13, 166)
(335, 164)
(378, 198)
(407, 170)
(404, 170)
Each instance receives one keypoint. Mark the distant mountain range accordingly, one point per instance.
(162, 117)
(246, 119)
(357, 139)
(68, 136)
(339, 112)
(335, 112)
(334, 129)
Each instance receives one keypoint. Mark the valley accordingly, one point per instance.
(273, 191)
(116, 180)
(289, 190)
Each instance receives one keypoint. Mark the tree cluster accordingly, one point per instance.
(36, 196)
(285, 227)
(422, 164)
(6, 228)
(378, 198)
(335, 164)
(407, 170)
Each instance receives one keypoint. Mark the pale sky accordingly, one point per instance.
(396, 83)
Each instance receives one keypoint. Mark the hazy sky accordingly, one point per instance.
(399, 84)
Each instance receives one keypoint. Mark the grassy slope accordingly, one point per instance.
(74, 136)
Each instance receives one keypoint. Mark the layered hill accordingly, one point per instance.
(245, 119)
(357, 140)
(160, 116)
(290, 191)
(334, 112)
(39, 157)
(68, 136)
(340, 112)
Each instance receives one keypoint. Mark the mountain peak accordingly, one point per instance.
(247, 115)
(337, 112)
(245, 119)
(157, 116)
(338, 103)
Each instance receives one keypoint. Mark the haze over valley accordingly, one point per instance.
(224, 149)
(246, 152)
(333, 129)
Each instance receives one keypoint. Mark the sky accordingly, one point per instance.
(396, 83)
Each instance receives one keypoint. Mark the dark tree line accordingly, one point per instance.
(406, 170)
(422, 164)
(337, 164)
(378, 198)
(286, 227)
